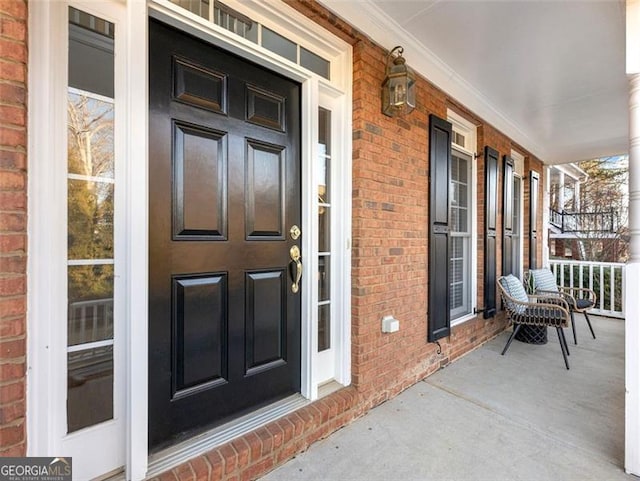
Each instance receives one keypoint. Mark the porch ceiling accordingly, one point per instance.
(550, 74)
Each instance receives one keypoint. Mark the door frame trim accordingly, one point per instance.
(46, 102)
(288, 20)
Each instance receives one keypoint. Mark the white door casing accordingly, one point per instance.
(47, 213)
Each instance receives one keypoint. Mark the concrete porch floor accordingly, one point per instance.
(488, 417)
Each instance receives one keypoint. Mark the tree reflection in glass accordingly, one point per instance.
(90, 135)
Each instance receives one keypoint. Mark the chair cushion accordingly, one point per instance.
(554, 316)
(583, 304)
(544, 280)
(515, 289)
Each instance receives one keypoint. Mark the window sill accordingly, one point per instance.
(463, 319)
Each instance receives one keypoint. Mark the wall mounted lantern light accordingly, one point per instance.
(399, 86)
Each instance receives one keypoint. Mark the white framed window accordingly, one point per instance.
(332, 197)
(462, 220)
(77, 166)
(518, 213)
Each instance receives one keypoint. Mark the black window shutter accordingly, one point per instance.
(490, 220)
(439, 178)
(534, 179)
(507, 219)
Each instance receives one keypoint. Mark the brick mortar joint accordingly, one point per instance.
(19, 443)
(13, 424)
(12, 297)
(17, 317)
(15, 127)
(15, 361)
(16, 83)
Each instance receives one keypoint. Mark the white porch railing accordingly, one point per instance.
(90, 321)
(605, 278)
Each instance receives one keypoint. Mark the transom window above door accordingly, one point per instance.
(240, 24)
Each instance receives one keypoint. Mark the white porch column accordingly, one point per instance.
(632, 276)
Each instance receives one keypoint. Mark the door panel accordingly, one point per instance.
(265, 190)
(224, 324)
(199, 324)
(265, 330)
(199, 183)
(196, 85)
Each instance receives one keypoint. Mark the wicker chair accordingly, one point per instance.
(533, 310)
(579, 299)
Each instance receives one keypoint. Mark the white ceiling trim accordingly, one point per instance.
(369, 18)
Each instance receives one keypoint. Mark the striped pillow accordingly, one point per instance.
(515, 289)
(544, 280)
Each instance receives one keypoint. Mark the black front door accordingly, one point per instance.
(224, 193)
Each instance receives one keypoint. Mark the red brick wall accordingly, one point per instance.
(389, 257)
(389, 264)
(13, 225)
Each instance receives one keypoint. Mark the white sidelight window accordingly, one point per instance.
(462, 207)
(76, 304)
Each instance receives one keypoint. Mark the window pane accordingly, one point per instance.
(280, 45)
(460, 210)
(91, 53)
(199, 7)
(324, 154)
(90, 294)
(314, 62)
(454, 194)
(457, 248)
(90, 387)
(90, 217)
(457, 271)
(235, 21)
(463, 170)
(462, 195)
(90, 135)
(324, 327)
(90, 208)
(455, 220)
(324, 233)
(324, 278)
(462, 221)
(456, 296)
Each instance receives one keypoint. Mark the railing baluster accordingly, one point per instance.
(623, 290)
(614, 307)
(571, 276)
(611, 289)
(94, 332)
(581, 285)
(602, 287)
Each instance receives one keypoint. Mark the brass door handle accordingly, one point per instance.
(296, 268)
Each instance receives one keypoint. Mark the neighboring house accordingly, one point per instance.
(592, 232)
(564, 203)
(204, 223)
